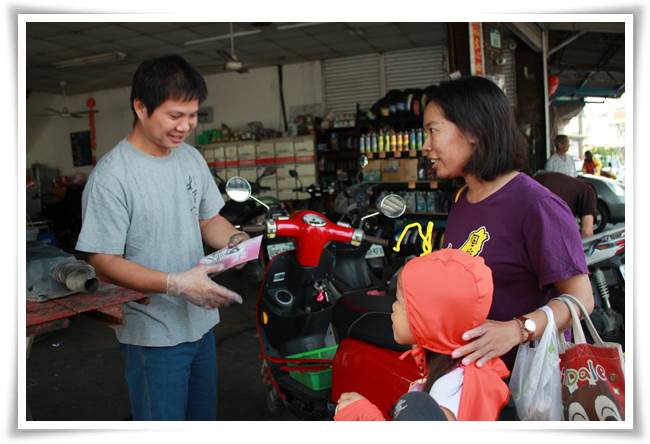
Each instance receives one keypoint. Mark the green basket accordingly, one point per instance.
(319, 380)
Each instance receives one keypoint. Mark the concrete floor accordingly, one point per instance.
(76, 374)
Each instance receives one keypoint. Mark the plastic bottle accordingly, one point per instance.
(419, 136)
(362, 143)
(380, 141)
(412, 141)
(373, 142)
(393, 141)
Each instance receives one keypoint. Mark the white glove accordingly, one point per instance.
(196, 287)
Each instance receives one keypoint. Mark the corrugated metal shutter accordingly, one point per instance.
(352, 80)
(510, 71)
(416, 68)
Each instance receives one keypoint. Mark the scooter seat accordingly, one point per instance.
(365, 315)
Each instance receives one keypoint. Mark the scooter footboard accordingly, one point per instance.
(374, 372)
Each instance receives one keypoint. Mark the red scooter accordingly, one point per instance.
(319, 338)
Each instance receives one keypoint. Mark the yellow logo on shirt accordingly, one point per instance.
(475, 241)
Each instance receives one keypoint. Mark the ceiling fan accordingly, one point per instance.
(64, 112)
(232, 62)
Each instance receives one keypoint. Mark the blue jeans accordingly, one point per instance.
(172, 383)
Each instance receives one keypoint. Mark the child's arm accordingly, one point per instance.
(354, 407)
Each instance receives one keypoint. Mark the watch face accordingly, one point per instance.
(530, 325)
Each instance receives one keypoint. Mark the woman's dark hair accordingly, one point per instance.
(438, 365)
(163, 78)
(588, 155)
(479, 108)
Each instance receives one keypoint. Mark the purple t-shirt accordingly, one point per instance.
(529, 239)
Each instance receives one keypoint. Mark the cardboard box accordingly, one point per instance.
(373, 165)
(230, 152)
(246, 152)
(304, 147)
(408, 170)
(390, 170)
(284, 150)
(286, 194)
(208, 154)
(265, 150)
(250, 174)
(305, 169)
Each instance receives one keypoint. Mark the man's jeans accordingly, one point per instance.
(172, 383)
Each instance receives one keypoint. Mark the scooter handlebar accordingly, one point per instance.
(253, 228)
(375, 240)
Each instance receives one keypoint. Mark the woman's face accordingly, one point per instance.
(446, 146)
(401, 330)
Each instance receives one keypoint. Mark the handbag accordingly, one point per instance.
(593, 380)
(535, 384)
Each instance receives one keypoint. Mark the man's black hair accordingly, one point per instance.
(163, 78)
(480, 109)
(560, 138)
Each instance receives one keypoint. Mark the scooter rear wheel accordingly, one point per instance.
(271, 396)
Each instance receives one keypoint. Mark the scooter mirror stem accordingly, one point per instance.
(369, 216)
(260, 202)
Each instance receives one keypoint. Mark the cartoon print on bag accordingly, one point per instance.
(593, 401)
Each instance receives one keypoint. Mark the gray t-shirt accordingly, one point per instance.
(147, 209)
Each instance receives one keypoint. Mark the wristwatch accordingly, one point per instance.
(527, 326)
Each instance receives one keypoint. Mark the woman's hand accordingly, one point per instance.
(346, 399)
(490, 340)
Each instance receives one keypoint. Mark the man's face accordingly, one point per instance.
(563, 147)
(169, 124)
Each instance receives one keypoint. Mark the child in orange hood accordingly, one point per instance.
(439, 297)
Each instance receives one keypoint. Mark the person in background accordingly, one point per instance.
(561, 161)
(578, 195)
(526, 234)
(591, 164)
(148, 206)
(439, 297)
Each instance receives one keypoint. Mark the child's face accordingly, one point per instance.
(401, 330)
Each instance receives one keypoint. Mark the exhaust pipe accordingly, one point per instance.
(78, 276)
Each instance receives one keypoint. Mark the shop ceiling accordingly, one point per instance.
(588, 58)
(202, 44)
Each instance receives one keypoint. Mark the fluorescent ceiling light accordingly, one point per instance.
(223, 37)
(297, 25)
(91, 60)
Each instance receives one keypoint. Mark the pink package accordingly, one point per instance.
(231, 257)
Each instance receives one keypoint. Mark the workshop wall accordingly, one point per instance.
(236, 100)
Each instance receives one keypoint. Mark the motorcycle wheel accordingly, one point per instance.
(271, 397)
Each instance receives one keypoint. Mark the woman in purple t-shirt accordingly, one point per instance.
(526, 234)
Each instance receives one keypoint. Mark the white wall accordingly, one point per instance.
(236, 99)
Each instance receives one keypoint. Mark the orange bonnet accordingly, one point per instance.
(446, 293)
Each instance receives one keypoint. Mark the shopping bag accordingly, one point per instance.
(535, 384)
(593, 381)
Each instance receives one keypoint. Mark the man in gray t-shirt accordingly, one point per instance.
(147, 208)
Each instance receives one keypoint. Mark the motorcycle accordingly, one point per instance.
(251, 211)
(605, 255)
(318, 337)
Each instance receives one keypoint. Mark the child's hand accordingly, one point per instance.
(346, 399)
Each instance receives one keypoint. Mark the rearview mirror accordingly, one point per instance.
(238, 189)
(392, 206)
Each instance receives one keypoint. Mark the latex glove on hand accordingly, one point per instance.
(195, 286)
(236, 239)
